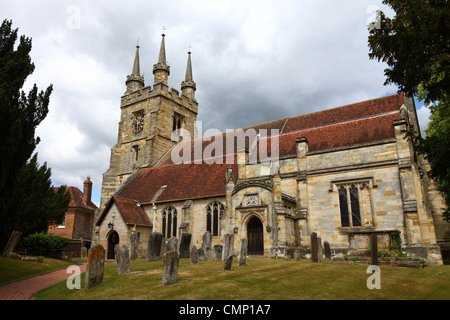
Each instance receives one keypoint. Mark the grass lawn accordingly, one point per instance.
(261, 279)
(13, 269)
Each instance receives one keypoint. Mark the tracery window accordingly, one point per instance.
(169, 222)
(213, 213)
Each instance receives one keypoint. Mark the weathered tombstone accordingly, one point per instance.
(122, 257)
(12, 242)
(227, 263)
(209, 254)
(134, 246)
(201, 254)
(95, 266)
(84, 252)
(172, 244)
(206, 240)
(327, 249)
(185, 243)
(314, 249)
(242, 255)
(154, 246)
(288, 255)
(319, 250)
(373, 249)
(297, 255)
(228, 244)
(194, 255)
(170, 269)
(218, 252)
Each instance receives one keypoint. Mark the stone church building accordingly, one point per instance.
(343, 173)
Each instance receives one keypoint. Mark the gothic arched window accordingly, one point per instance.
(169, 222)
(214, 211)
(349, 204)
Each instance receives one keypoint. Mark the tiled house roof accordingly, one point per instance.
(76, 199)
(130, 210)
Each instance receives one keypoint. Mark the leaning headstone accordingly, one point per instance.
(206, 240)
(134, 246)
(12, 242)
(326, 246)
(228, 244)
(170, 269)
(297, 255)
(95, 266)
(319, 250)
(218, 252)
(242, 255)
(172, 244)
(227, 263)
(122, 257)
(314, 249)
(185, 243)
(154, 246)
(194, 255)
(373, 249)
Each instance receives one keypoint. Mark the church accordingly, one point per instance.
(343, 173)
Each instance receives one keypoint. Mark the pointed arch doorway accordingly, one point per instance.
(255, 237)
(113, 239)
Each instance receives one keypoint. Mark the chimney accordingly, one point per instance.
(87, 190)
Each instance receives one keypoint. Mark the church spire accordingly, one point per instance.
(135, 81)
(188, 86)
(161, 70)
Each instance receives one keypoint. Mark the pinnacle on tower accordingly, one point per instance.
(161, 70)
(188, 86)
(135, 81)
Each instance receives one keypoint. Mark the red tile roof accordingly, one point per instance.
(130, 209)
(76, 199)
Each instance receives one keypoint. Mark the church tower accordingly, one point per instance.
(149, 116)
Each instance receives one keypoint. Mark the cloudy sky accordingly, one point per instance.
(253, 61)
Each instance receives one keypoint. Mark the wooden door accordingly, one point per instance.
(255, 237)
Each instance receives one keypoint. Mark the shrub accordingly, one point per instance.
(39, 243)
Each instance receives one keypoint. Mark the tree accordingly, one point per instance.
(416, 46)
(20, 114)
(35, 202)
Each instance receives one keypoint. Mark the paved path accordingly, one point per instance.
(27, 288)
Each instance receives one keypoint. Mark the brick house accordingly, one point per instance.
(79, 218)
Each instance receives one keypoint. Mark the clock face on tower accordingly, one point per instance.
(138, 123)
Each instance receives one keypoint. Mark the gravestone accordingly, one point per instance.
(227, 263)
(201, 254)
(84, 252)
(319, 250)
(289, 254)
(185, 243)
(172, 244)
(326, 246)
(242, 255)
(314, 249)
(12, 242)
(297, 255)
(122, 256)
(206, 240)
(154, 246)
(95, 266)
(194, 255)
(170, 268)
(373, 249)
(134, 246)
(228, 244)
(209, 254)
(218, 252)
